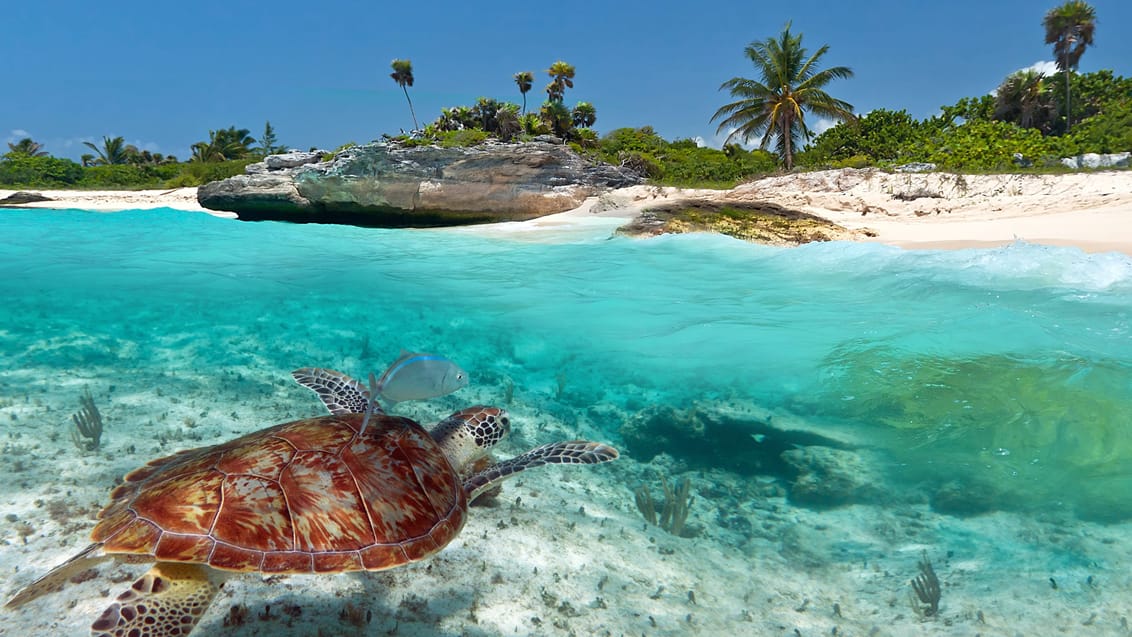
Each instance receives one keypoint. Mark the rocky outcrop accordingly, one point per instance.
(1095, 161)
(391, 185)
(22, 197)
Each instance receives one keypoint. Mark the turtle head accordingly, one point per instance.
(467, 435)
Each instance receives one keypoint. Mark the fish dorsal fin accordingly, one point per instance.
(340, 393)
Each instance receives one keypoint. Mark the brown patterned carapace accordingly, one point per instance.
(301, 497)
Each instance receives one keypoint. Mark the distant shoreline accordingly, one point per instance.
(1090, 211)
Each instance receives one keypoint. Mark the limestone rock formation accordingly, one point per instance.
(391, 185)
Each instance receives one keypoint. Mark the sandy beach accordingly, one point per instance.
(1090, 211)
(116, 200)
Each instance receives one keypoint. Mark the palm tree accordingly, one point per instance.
(403, 75)
(1024, 98)
(524, 79)
(1069, 28)
(556, 117)
(775, 105)
(113, 151)
(223, 145)
(584, 115)
(27, 147)
(562, 78)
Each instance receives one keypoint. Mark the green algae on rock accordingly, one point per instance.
(758, 222)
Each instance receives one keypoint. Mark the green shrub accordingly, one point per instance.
(881, 135)
(19, 169)
(1106, 132)
(682, 162)
(988, 145)
(463, 138)
(118, 176)
(856, 161)
(199, 173)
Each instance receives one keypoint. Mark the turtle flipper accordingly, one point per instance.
(340, 393)
(168, 600)
(569, 452)
(58, 576)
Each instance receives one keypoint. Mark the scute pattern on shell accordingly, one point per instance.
(306, 496)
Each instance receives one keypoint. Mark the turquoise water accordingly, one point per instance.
(1007, 369)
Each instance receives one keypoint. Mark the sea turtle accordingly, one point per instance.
(355, 490)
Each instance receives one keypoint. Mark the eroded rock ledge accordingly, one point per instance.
(390, 185)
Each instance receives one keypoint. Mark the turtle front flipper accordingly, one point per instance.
(568, 452)
(168, 600)
(58, 576)
(340, 393)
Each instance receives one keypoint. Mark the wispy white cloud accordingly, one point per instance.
(17, 134)
(821, 125)
(717, 140)
(1042, 66)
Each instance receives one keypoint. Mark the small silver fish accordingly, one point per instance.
(419, 376)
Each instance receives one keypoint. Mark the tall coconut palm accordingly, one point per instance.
(524, 79)
(775, 105)
(113, 151)
(561, 78)
(403, 75)
(28, 147)
(1069, 28)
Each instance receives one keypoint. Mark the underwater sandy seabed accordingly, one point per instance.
(563, 550)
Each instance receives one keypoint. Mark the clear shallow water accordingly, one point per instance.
(1007, 371)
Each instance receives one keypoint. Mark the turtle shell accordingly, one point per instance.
(306, 496)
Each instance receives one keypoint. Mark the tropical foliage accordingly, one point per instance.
(1024, 99)
(403, 75)
(774, 106)
(1016, 127)
(27, 147)
(223, 145)
(682, 162)
(116, 164)
(112, 151)
(561, 78)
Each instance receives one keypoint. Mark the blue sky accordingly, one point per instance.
(161, 74)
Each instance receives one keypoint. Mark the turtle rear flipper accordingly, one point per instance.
(168, 600)
(568, 452)
(58, 576)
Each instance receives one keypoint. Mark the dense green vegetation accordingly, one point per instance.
(1021, 126)
(118, 165)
